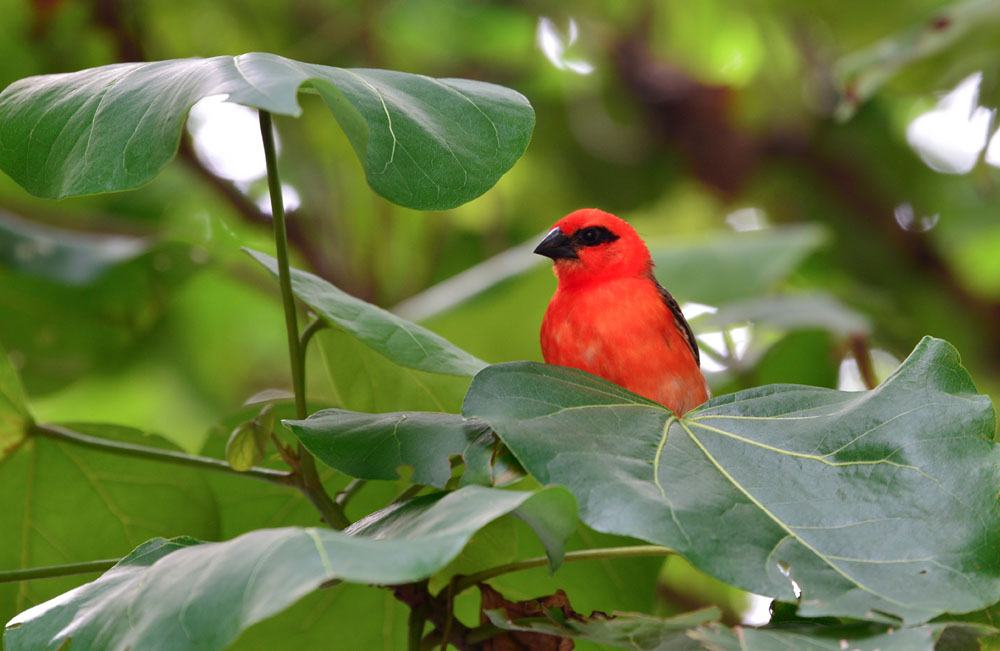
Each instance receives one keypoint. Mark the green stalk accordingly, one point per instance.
(51, 571)
(155, 454)
(466, 582)
(344, 496)
(415, 626)
(310, 483)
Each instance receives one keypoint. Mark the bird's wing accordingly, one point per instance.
(679, 320)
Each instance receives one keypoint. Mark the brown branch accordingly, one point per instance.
(863, 356)
(418, 598)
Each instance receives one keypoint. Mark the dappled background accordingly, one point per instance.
(818, 183)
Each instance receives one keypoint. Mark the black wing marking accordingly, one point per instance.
(679, 319)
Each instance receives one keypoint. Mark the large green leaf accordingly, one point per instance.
(425, 143)
(14, 416)
(373, 446)
(401, 341)
(63, 503)
(233, 584)
(879, 501)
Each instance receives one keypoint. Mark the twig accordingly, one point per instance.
(470, 580)
(155, 454)
(344, 496)
(863, 356)
(408, 492)
(50, 571)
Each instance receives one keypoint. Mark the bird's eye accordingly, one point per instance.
(595, 235)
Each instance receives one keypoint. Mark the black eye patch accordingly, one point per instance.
(593, 236)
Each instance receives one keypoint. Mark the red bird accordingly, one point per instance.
(611, 318)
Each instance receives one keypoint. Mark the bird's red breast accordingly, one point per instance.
(610, 317)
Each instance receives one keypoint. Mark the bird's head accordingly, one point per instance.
(590, 244)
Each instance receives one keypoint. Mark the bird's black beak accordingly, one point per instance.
(556, 246)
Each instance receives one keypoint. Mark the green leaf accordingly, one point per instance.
(818, 637)
(14, 416)
(550, 512)
(348, 616)
(66, 504)
(364, 380)
(358, 616)
(63, 256)
(871, 502)
(789, 312)
(801, 357)
(424, 143)
(83, 302)
(373, 446)
(401, 341)
(732, 266)
(137, 604)
(863, 73)
(627, 630)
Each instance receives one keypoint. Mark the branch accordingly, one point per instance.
(344, 496)
(637, 551)
(863, 356)
(51, 571)
(60, 433)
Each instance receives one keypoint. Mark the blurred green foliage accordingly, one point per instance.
(695, 118)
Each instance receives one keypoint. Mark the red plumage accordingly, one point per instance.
(610, 317)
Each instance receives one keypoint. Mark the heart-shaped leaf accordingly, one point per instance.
(401, 341)
(424, 143)
(879, 501)
(137, 603)
(373, 446)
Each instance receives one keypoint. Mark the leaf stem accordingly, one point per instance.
(155, 454)
(51, 571)
(307, 476)
(408, 492)
(284, 275)
(470, 580)
(483, 633)
(344, 496)
(314, 326)
(415, 626)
